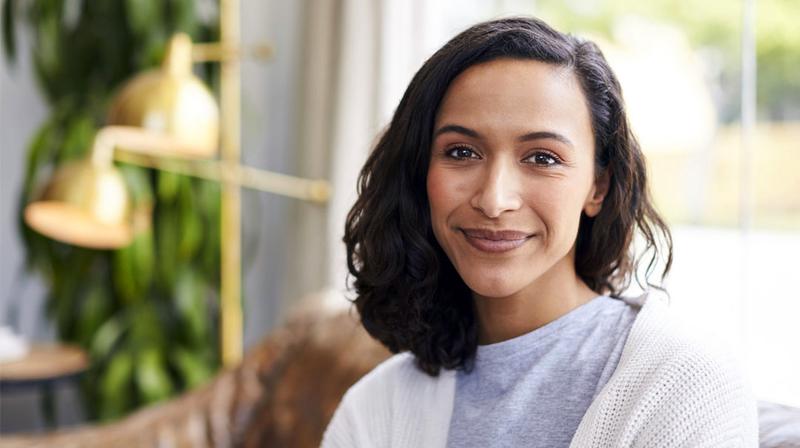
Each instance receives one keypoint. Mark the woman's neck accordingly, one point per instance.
(543, 301)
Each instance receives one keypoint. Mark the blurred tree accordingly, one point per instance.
(713, 25)
(147, 313)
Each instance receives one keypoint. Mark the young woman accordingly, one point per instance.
(489, 244)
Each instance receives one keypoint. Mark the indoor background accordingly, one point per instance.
(716, 108)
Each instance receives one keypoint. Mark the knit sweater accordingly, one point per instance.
(670, 389)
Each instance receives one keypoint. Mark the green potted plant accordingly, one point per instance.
(146, 314)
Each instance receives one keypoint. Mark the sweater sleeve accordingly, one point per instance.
(697, 398)
(703, 400)
(672, 388)
(394, 405)
(363, 416)
(345, 428)
(339, 434)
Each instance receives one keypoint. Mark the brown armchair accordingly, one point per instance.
(283, 394)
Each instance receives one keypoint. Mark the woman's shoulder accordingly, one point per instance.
(395, 400)
(397, 371)
(659, 337)
(660, 345)
(673, 382)
(393, 380)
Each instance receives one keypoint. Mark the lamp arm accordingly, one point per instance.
(134, 139)
(146, 148)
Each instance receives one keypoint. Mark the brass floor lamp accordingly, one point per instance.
(167, 119)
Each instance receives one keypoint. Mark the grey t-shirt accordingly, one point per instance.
(533, 390)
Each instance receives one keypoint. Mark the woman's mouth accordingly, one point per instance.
(496, 241)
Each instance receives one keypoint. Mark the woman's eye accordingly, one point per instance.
(544, 159)
(461, 152)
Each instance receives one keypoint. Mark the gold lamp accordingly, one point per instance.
(168, 120)
(86, 202)
(166, 112)
(171, 100)
(85, 205)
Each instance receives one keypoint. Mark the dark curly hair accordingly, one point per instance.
(409, 295)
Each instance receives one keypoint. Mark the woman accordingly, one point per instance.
(489, 244)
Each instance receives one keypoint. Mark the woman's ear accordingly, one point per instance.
(594, 202)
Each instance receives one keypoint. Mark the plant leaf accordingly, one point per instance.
(194, 370)
(77, 139)
(151, 376)
(106, 336)
(124, 275)
(168, 186)
(115, 386)
(190, 290)
(9, 32)
(142, 15)
(190, 221)
(167, 235)
(94, 309)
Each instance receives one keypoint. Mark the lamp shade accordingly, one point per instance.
(172, 101)
(85, 205)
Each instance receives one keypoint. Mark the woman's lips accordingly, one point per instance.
(495, 241)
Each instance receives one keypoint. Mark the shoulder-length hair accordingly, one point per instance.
(409, 296)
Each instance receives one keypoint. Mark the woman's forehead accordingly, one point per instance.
(516, 95)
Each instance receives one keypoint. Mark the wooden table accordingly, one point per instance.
(41, 368)
(44, 362)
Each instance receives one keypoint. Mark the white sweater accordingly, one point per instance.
(668, 390)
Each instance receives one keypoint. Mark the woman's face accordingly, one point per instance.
(511, 170)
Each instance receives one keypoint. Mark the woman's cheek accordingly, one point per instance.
(439, 190)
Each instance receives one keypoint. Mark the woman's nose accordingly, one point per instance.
(498, 191)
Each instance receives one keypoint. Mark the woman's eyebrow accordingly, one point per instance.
(456, 129)
(539, 135)
(536, 135)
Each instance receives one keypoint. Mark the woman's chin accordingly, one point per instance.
(493, 288)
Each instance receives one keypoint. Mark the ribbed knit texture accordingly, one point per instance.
(669, 390)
